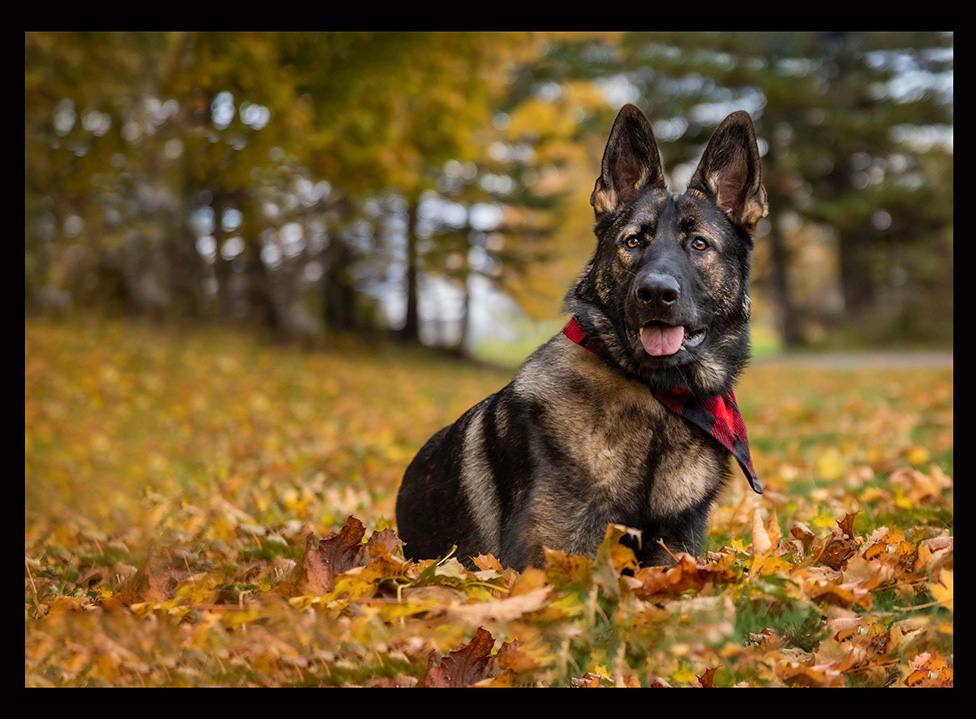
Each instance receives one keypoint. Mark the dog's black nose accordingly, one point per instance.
(657, 291)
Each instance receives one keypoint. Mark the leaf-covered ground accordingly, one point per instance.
(201, 509)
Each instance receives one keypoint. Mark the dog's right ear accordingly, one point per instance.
(730, 171)
(630, 162)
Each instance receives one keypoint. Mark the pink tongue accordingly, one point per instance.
(661, 340)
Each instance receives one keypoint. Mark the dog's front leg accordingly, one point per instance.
(682, 533)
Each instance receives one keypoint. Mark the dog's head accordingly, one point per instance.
(667, 289)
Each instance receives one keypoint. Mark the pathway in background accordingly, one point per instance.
(860, 359)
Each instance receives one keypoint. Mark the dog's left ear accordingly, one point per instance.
(730, 171)
(630, 162)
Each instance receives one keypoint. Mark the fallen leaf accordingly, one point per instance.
(504, 610)
(942, 591)
(466, 665)
(761, 543)
(706, 679)
(315, 572)
(587, 681)
(847, 524)
(150, 583)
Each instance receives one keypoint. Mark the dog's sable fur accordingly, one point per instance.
(577, 441)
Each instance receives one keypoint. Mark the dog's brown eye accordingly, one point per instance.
(632, 241)
(699, 244)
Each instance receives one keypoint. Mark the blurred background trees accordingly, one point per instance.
(436, 184)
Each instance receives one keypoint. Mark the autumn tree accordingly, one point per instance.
(396, 134)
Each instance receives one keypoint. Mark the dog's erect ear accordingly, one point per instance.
(630, 162)
(730, 171)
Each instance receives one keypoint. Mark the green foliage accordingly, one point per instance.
(167, 173)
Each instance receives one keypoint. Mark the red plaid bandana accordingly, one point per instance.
(718, 416)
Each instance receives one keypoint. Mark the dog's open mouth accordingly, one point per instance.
(660, 340)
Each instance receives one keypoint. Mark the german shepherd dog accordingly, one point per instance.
(587, 433)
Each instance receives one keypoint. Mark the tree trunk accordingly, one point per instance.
(856, 279)
(786, 316)
(462, 346)
(222, 268)
(185, 270)
(261, 303)
(411, 327)
(338, 292)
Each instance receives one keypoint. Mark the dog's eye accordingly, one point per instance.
(632, 241)
(699, 244)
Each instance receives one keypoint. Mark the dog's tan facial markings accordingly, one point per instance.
(692, 221)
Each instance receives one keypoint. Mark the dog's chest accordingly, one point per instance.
(637, 452)
(624, 450)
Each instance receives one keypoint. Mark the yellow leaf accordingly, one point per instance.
(872, 494)
(943, 591)
(769, 565)
(761, 542)
(739, 545)
(918, 455)
(830, 463)
(823, 519)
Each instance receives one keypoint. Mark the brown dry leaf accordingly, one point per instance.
(842, 595)
(93, 577)
(397, 681)
(921, 488)
(383, 558)
(687, 574)
(768, 638)
(466, 665)
(150, 583)
(62, 603)
(315, 572)
(706, 679)
(487, 561)
(435, 595)
(740, 515)
(772, 528)
(837, 548)
(761, 542)
(847, 524)
(820, 675)
(804, 534)
(514, 660)
(505, 610)
(934, 554)
(587, 681)
(929, 671)
(383, 543)
(510, 656)
(844, 628)
(907, 632)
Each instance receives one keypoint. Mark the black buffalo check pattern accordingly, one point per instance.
(718, 416)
